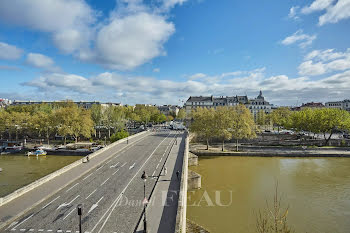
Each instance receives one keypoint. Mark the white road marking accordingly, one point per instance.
(68, 231)
(22, 230)
(88, 176)
(99, 168)
(114, 204)
(90, 194)
(67, 204)
(114, 165)
(31, 229)
(50, 202)
(153, 172)
(115, 172)
(160, 160)
(41, 230)
(105, 181)
(11, 225)
(72, 187)
(23, 221)
(49, 230)
(132, 166)
(123, 164)
(157, 166)
(59, 230)
(68, 214)
(94, 205)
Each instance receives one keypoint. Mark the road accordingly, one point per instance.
(111, 194)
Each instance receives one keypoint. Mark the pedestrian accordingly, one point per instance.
(127, 140)
(177, 175)
(87, 158)
(165, 171)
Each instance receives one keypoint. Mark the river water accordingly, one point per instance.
(317, 191)
(20, 170)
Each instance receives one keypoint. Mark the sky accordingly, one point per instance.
(163, 51)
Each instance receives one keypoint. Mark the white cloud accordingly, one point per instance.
(320, 62)
(41, 61)
(317, 5)
(9, 52)
(130, 41)
(156, 70)
(197, 76)
(67, 20)
(299, 37)
(335, 10)
(133, 35)
(293, 13)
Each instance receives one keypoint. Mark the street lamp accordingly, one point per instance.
(144, 178)
(80, 212)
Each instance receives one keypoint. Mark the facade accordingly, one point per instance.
(166, 109)
(308, 105)
(344, 105)
(254, 105)
(82, 104)
(4, 103)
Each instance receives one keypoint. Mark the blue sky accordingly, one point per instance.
(163, 51)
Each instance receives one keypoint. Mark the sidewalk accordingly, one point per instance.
(162, 208)
(20, 205)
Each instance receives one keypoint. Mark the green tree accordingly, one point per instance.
(223, 122)
(261, 118)
(119, 135)
(204, 123)
(182, 114)
(243, 125)
(280, 116)
(96, 116)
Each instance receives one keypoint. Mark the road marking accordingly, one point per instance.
(114, 204)
(68, 214)
(49, 230)
(41, 230)
(67, 204)
(59, 230)
(114, 165)
(160, 160)
(31, 229)
(22, 222)
(90, 194)
(105, 181)
(11, 225)
(22, 230)
(94, 205)
(157, 166)
(115, 172)
(99, 168)
(123, 164)
(153, 172)
(72, 187)
(88, 176)
(50, 202)
(68, 231)
(132, 166)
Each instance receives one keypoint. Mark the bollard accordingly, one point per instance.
(80, 212)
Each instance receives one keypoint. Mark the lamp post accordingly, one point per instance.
(144, 178)
(80, 212)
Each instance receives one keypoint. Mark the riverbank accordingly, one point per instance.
(261, 151)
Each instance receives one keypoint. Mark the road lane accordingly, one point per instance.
(96, 190)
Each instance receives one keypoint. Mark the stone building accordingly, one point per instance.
(344, 105)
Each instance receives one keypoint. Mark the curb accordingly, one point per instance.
(47, 178)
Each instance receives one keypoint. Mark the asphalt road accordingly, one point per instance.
(111, 195)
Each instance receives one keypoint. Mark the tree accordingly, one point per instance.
(204, 123)
(96, 116)
(119, 135)
(181, 115)
(242, 123)
(64, 119)
(4, 119)
(223, 122)
(43, 123)
(113, 118)
(280, 116)
(262, 118)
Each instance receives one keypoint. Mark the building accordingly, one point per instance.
(254, 105)
(344, 105)
(308, 105)
(82, 104)
(259, 104)
(4, 103)
(167, 109)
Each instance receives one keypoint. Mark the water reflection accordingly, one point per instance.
(317, 191)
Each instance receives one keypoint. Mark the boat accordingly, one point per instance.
(37, 153)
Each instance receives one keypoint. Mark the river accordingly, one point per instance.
(317, 191)
(20, 170)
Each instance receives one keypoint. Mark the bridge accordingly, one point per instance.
(108, 189)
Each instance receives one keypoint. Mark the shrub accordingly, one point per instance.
(119, 135)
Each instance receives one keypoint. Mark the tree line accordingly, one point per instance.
(68, 120)
(223, 123)
(325, 121)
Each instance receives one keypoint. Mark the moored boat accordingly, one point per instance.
(37, 153)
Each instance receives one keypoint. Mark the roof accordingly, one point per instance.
(200, 98)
